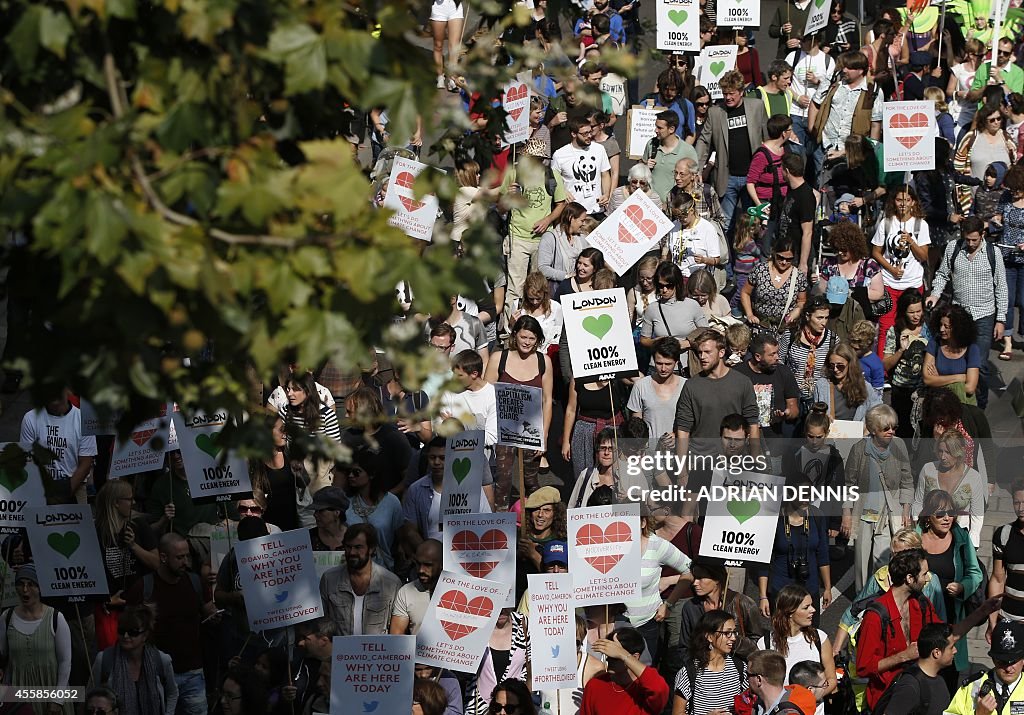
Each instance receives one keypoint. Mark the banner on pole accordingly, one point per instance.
(279, 581)
(715, 61)
(742, 516)
(817, 18)
(377, 672)
(66, 550)
(459, 622)
(908, 135)
(553, 622)
(520, 415)
(599, 333)
(604, 553)
(413, 216)
(630, 232)
(464, 464)
(213, 473)
(678, 25)
(21, 487)
(482, 546)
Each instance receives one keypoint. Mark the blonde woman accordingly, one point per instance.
(537, 303)
(702, 288)
(950, 473)
(943, 118)
(960, 81)
(466, 206)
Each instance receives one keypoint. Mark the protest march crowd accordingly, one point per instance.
(797, 285)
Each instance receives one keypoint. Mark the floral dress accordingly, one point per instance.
(769, 300)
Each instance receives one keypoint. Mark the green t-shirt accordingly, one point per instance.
(1012, 75)
(187, 514)
(531, 176)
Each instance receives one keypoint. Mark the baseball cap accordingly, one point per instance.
(544, 495)
(1007, 642)
(920, 59)
(330, 498)
(555, 551)
(838, 290)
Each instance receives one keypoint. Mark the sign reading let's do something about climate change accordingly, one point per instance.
(482, 546)
(678, 25)
(908, 131)
(599, 333)
(459, 621)
(213, 475)
(66, 550)
(604, 553)
(631, 231)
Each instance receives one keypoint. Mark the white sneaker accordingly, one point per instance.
(440, 81)
(450, 84)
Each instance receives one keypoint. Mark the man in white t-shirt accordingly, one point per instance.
(57, 427)
(585, 168)
(812, 72)
(476, 407)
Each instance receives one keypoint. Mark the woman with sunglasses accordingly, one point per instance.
(843, 388)
(960, 80)
(673, 315)
(805, 346)
(35, 643)
(511, 697)
(983, 145)
(953, 561)
(102, 701)
(965, 485)
(879, 466)
(701, 105)
(776, 290)
(709, 681)
(139, 674)
(693, 243)
(639, 177)
(504, 658)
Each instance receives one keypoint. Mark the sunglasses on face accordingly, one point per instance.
(784, 259)
(701, 104)
(498, 707)
(943, 513)
(837, 365)
(257, 510)
(133, 632)
(637, 182)
(666, 286)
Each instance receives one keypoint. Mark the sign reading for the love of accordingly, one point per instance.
(459, 622)
(414, 216)
(279, 581)
(604, 553)
(482, 546)
(600, 336)
(464, 463)
(144, 449)
(21, 486)
(908, 135)
(214, 474)
(66, 550)
(377, 672)
(740, 526)
(553, 625)
(515, 100)
(817, 18)
(630, 232)
(713, 62)
(678, 24)
(520, 415)
(739, 13)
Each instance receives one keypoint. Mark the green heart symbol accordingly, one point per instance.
(64, 544)
(717, 67)
(461, 467)
(819, 3)
(743, 510)
(208, 444)
(11, 480)
(598, 326)
(678, 17)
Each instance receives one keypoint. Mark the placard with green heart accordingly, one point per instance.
(208, 443)
(819, 3)
(598, 325)
(717, 67)
(64, 544)
(678, 17)
(13, 477)
(461, 468)
(743, 510)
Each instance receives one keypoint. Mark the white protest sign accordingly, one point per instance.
(515, 100)
(66, 550)
(739, 13)
(908, 136)
(641, 129)
(599, 333)
(324, 561)
(715, 61)
(678, 23)
(377, 672)
(844, 434)
(213, 474)
(615, 87)
(817, 18)
(9, 594)
(630, 232)
(144, 449)
(482, 546)
(413, 216)
(279, 581)
(21, 486)
(459, 622)
(604, 553)
(464, 464)
(553, 624)
(520, 415)
(743, 513)
(96, 421)
(222, 538)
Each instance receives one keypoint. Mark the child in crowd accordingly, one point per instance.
(737, 339)
(989, 195)
(746, 252)
(862, 339)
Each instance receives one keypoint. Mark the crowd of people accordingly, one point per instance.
(800, 286)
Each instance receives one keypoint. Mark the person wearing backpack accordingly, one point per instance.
(766, 181)
(919, 689)
(714, 675)
(766, 673)
(141, 675)
(976, 278)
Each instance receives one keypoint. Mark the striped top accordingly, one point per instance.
(795, 355)
(659, 553)
(1008, 547)
(714, 690)
(328, 420)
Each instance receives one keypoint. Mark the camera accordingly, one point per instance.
(798, 570)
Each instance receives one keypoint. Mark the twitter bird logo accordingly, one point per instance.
(554, 651)
(279, 597)
(370, 706)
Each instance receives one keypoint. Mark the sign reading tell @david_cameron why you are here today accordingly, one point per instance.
(604, 553)
(66, 550)
(214, 474)
(482, 546)
(599, 333)
(21, 486)
(459, 621)
(279, 580)
(553, 619)
(372, 675)
(520, 415)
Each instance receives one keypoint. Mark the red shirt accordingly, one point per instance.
(647, 695)
(872, 647)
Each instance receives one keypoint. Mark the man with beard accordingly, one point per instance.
(421, 504)
(358, 596)
(413, 598)
(585, 168)
(778, 396)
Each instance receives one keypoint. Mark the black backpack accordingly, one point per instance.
(924, 692)
(691, 675)
(947, 292)
(874, 604)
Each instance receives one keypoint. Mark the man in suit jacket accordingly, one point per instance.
(733, 132)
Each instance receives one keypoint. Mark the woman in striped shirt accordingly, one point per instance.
(647, 612)
(715, 676)
(305, 413)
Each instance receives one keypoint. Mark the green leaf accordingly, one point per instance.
(123, 9)
(23, 38)
(184, 126)
(105, 228)
(54, 31)
(302, 52)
